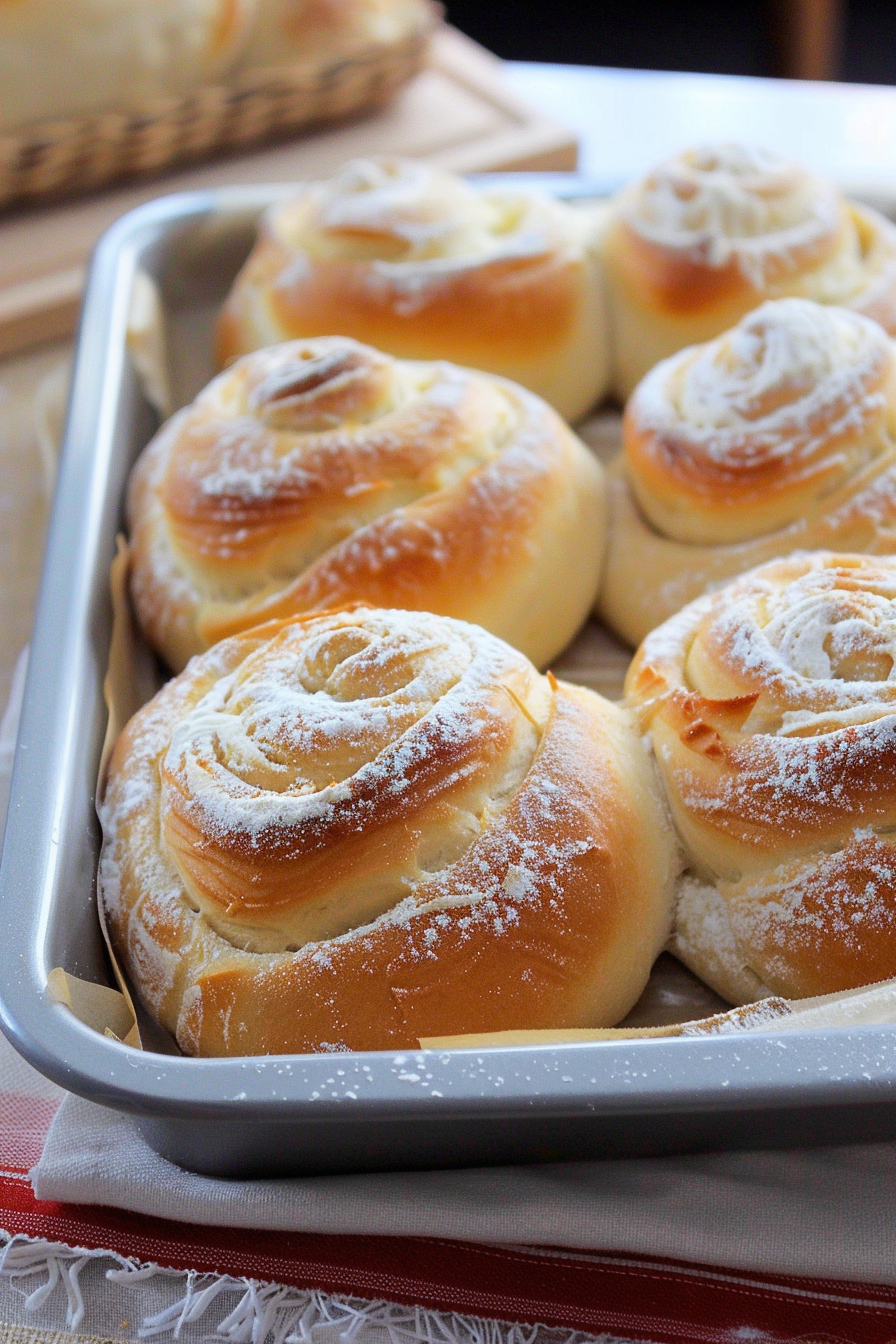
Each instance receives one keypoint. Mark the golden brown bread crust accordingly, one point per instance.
(357, 828)
(417, 262)
(778, 436)
(714, 231)
(309, 32)
(87, 57)
(772, 711)
(322, 472)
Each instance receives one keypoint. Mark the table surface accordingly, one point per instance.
(628, 120)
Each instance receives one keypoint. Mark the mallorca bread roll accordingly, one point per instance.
(355, 829)
(712, 232)
(79, 57)
(778, 436)
(322, 472)
(424, 265)
(312, 32)
(771, 706)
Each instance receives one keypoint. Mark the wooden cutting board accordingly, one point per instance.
(455, 113)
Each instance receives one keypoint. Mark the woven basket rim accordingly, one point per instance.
(294, 75)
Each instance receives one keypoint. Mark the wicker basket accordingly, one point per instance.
(60, 158)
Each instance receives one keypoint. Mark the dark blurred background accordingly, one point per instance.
(853, 40)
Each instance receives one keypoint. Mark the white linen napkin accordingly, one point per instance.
(825, 1213)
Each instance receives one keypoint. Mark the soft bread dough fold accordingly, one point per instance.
(771, 709)
(322, 472)
(778, 436)
(715, 230)
(354, 829)
(418, 262)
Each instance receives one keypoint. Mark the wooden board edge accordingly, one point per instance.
(39, 311)
(536, 143)
(545, 151)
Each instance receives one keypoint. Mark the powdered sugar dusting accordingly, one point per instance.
(300, 742)
(416, 223)
(816, 637)
(334, 699)
(336, 730)
(260, 448)
(773, 712)
(778, 366)
(254, 492)
(733, 202)
(761, 423)
(829, 921)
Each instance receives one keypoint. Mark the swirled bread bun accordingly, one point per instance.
(82, 57)
(778, 436)
(357, 828)
(712, 232)
(298, 32)
(771, 706)
(422, 264)
(322, 472)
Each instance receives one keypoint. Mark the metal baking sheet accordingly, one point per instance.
(290, 1114)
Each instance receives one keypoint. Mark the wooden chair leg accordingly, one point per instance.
(808, 36)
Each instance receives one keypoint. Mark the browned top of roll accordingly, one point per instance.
(322, 472)
(423, 264)
(724, 225)
(723, 218)
(359, 827)
(772, 709)
(736, 438)
(400, 243)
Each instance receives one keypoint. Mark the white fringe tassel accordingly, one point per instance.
(61, 1264)
(265, 1313)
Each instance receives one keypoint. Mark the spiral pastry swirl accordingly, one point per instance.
(356, 828)
(320, 473)
(709, 234)
(422, 264)
(778, 436)
(771, 706)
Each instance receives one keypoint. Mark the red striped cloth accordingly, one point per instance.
(637, 1297)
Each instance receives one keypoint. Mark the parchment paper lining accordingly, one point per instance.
(132, 678)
